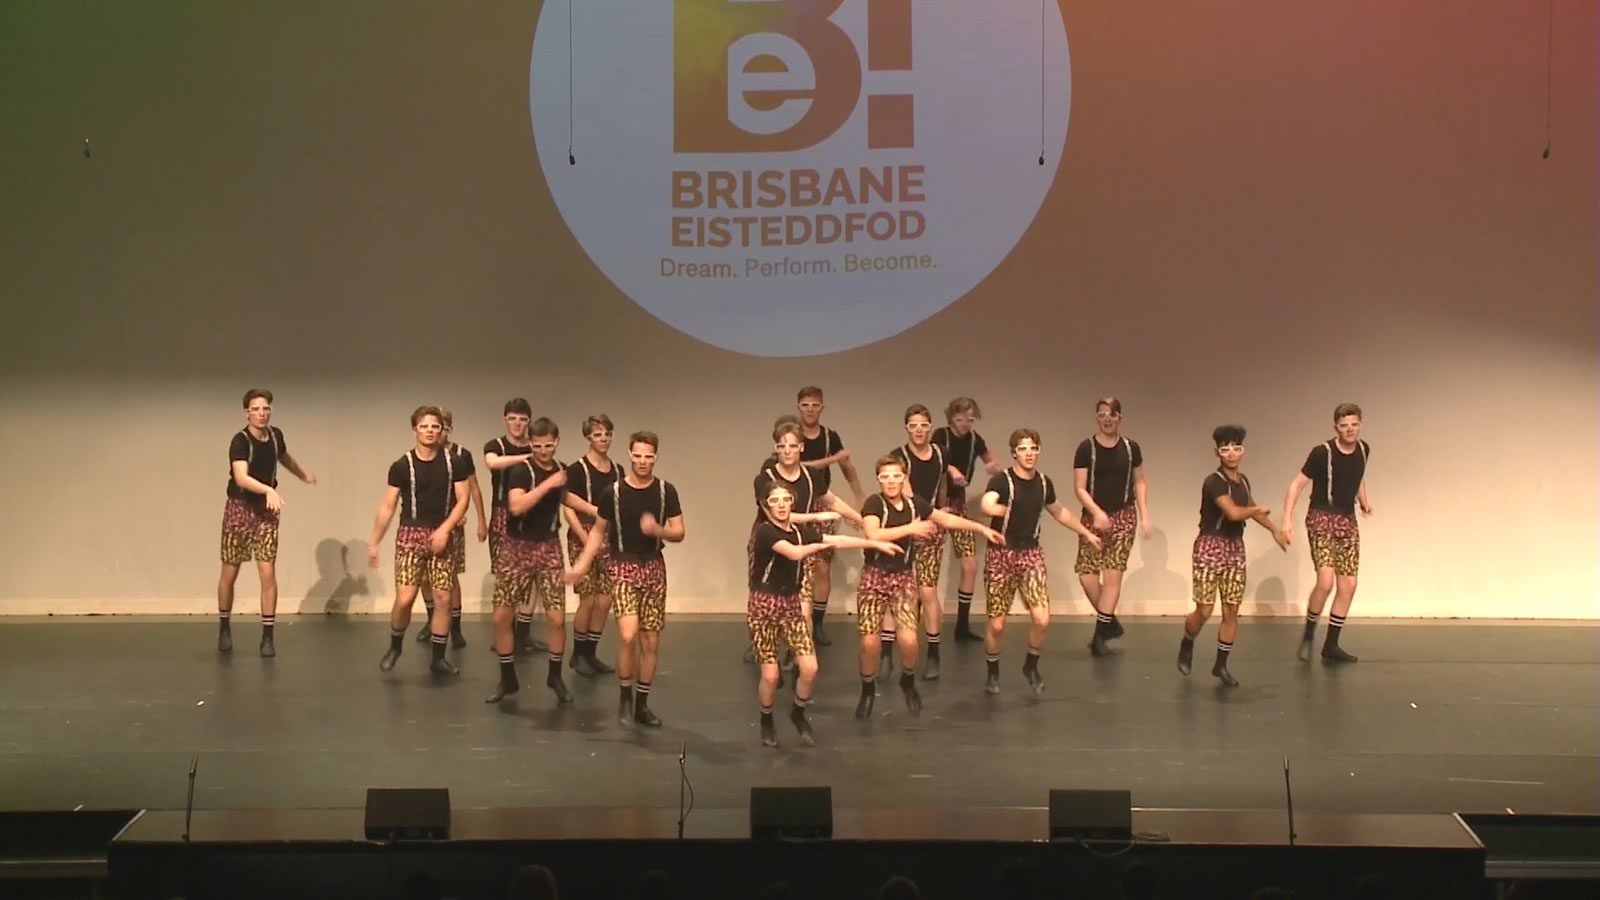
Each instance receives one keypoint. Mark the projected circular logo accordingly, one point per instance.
(797, 177)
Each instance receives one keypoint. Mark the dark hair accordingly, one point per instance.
(809, 390)
(892, 459)
(1025, 434)
(543, 427)
(1114, 403)
(899, 888)
(1339, 412)
(446, 419)
(518, 406)
(644, 437)
(532, 883)
(253, 393)
(1228, 434)
(597, 419)
(783, 427)
(917, 409)
(961, 405)
(791, 418)
(424, 411)
(774, 485)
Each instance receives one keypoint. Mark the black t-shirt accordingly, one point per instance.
(622, 505)
(1346, 471)
(427, 493)
(824, 445)
(926, 476)
(1110, 472)
(1020, 524)
(501, 446)
(963, 452)
(1212, 520)
(911, 510)
(803, 488)
(586, 481)
(543, 521)
(772, 572)
(261, 457)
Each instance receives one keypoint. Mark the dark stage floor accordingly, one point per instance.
(1437, 717)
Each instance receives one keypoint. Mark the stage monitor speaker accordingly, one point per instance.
(408, 814)
(791, 813)
(1091, 815)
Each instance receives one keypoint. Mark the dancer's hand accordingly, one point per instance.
(1146, 529)
(439, 539)
(1282, 538)
(1287, 530)
(483, 531)
(372, 556)
(888, 547)
(1366, 508)
(309, 477)
(274, 502)
(992, 536)
(924, 529)
(1094, 540)
(648, 525)
(826, 515)
(572, 576)
(1102, 522)
(559, 479)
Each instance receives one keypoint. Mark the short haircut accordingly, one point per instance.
(786, 417)
(1025, 434)
(961, 405)
(1111, 403)
(774, 485)
(917, 409)
(518, 406)
(644, 437)
(445, 418)
(891, 459)
(423, 412)
(1339, 412)
(783, 427)
(597, 419)
(253, 393)
(1228, 434)
(544, 427)
(809, 390)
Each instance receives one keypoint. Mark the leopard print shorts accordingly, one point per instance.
(773, 618)
(1008, 572)
(598, 582)
(248, 532)
(926, 558)
(640, 589)
(1116, 543)
(416, 565)
(1335, 542)
(882, 592)
(1219, 570)
(526, 566)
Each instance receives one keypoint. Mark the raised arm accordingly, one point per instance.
(989, 504)
(499, 463)
(672, 532)
(872, 526)
(520, 500)
(954, 522)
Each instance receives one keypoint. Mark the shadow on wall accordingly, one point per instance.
(1156, 587)
(342, 575)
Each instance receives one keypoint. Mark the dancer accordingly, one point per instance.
(963, 447)
(461, 458)
(1015, 500)
(888, 585)
(508, 450)
(1336, 472)
(823, 448)
(636, 516)
(431, 494)
(1219, 559)
(592, 473)
(250, 515)
(536, 492)
(1108, 477)
(780, 547)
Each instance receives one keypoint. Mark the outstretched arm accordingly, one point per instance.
(961, 523)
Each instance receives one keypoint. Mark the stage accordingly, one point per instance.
(1437, 717)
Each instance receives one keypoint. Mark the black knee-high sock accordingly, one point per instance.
(818, 611)
(397, 639)
(440, 641)
(933, 646)
(869, 685)
(266, 625)
(508, 669)
(521, 627)
(1335, 628)
(1031, 663)
(641, 693)
(455, 619)
(963, 609)
(1223, 649)
(1311, 625)
(554, 673)
(886, 643)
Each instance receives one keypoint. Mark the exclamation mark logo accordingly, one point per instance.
(891, 119)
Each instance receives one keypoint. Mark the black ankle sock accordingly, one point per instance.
(266, 625)
(555, 667)
(907, 678)
(994, 664)
(440, 641)
(396, 640)
(1311, 625)
(455, 620)
(1031, 663)
(508, 668)
(1335, 628)
(641, 693)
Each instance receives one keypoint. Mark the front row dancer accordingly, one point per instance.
(530, 558)
(635, 517)
(897, 516)
(431, 494)
(780, 548)
(1219, 559)
(1016, 499)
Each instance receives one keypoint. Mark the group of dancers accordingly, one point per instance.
(620, 517)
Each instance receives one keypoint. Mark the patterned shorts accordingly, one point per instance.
(248, 533)
(456, 550)
(1117, 543)
(497, 533)
(1219, 570)
(598, 582)
(528, 565)
(1335, 542)
(926, 556)
(964, 544)
(881, 591)
(831, 527)
(1008, 572)
(640, 589)
(773, 618)
(415, 564)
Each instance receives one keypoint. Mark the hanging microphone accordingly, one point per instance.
(573, 160)
(86, 149)
(1546, 151)
(1041, 159)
